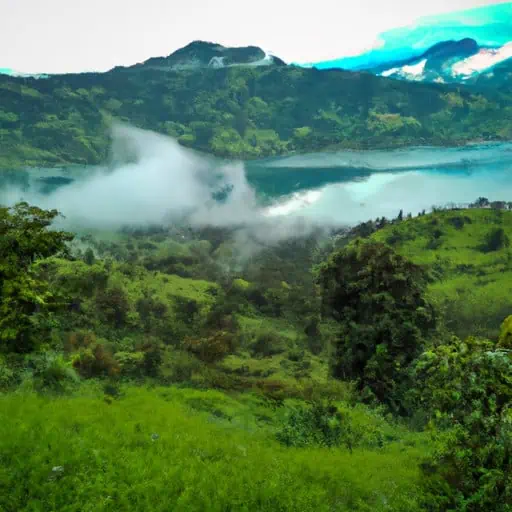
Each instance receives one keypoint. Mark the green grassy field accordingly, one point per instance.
(166, 449)
(473, 285)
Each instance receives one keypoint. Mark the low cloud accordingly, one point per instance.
(151, 179)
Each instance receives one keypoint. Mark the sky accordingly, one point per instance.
(62, 36)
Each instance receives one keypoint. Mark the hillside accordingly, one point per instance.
(140, 371)
(236, 111)
(472, 281)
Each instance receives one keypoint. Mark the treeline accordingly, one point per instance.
(238, 112)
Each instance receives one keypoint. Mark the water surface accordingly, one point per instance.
(340, 187)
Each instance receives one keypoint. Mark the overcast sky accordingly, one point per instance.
(78, 35)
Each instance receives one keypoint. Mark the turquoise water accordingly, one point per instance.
(383, 182)
(336, 187)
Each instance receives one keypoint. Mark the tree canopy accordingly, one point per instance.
(24, 299)
(238, 112)
(378, 298)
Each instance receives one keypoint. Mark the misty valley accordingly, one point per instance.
(234, 283)
(332, 188)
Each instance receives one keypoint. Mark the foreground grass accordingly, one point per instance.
(152, 451)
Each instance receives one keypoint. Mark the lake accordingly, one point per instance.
(341, 187)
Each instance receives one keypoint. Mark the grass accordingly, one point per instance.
(107, 458)
(472, 285)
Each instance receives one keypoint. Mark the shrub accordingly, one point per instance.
(178, 366)
(495, 240)
(151, 349)
(130, 363)
(95, 361)
(269, 343)
(79, 339)
(459, 221)
(465, 386)
(505, 340)
(212, 348)
(113, 305)
(49, 370)
(89, 257)
(7, 375)
(325, 425)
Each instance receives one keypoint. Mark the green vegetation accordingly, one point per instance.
(378, 297)
(237, 112)
(136, 373)
(470, 261)
(163, 449)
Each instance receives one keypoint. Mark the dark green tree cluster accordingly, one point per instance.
(389, 343)
(378, 299)
(465, 388)
(25, 300)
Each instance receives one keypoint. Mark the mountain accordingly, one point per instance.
(12, 72)
(239, 110)
(202, 54)
(499, 77)
(448, 62)
(450, 48)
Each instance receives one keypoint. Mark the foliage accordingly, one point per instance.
(237, 112)
(320, 424)
(467, 386)
(95, 361)
(505, 339)
(268, 343)
(378, 299)
(212, 348)
(471, 287)
(50, 371)
(257, 333)
(25, 300)
(495, 240)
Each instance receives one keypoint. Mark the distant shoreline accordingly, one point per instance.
(295, 153)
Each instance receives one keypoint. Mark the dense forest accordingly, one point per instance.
(239, 112)
(367, 369)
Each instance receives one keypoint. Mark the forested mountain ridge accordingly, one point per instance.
(239, 111)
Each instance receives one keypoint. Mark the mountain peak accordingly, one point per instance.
(205, 54)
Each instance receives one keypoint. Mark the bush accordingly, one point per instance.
(459, 221)
(178, 366)
(49, 370)
(212, 348)
(495, 240)
(130, 363)
(464, 386)
(505, 340)
(113, 305)
(324, 424)
(269, 343)
(95, 361)
(7, 375)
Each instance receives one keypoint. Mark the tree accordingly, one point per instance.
(378, 298)
(465, 390)
(25, 299)
(482, 202)
(495, 240)
(89, 256)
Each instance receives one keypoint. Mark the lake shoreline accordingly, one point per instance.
(295, 153)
